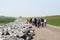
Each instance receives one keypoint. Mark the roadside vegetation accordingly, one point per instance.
(53, 20)
(4, 20)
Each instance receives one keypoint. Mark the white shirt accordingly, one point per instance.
(33, 19)
(44, 20)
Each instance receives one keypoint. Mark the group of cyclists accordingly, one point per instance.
(37, 22)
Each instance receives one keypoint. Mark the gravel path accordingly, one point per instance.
(47, 33)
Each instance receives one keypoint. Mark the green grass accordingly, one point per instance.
(4, 19)
(53, 20)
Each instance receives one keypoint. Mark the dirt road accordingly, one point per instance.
(47, 33)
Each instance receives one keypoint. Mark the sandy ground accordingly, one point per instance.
(47, 33)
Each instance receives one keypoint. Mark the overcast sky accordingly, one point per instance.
(29, 7)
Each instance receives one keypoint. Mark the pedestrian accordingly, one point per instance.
(38, 22)
(33, 20)
(42, 22)
(45, 22)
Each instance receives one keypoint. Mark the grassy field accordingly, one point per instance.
(4, 19)
(53, 20)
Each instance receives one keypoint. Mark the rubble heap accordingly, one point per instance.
(18, 30)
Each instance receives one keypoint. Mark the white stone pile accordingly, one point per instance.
(18, 30)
